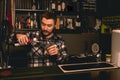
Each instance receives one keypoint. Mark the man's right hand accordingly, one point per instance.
(22, 39)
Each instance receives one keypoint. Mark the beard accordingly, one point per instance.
(46, 33)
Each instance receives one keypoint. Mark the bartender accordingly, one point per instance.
(47, 47)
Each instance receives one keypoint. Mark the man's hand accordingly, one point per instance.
(53, 50)
(22, 39)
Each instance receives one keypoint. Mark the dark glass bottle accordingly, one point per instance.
(53, 5)
(34, 5)
(63, 5)
(59, 5)
(28, 21)
(77, 21)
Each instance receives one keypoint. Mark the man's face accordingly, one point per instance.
(47, 26)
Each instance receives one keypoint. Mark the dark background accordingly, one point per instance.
(108, 7)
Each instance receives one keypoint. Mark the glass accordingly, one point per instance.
(48, 44)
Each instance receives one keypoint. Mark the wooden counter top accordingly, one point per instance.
(54, 73)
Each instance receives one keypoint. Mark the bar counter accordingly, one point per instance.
(55, 73)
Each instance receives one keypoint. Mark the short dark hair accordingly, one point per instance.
(49, 15)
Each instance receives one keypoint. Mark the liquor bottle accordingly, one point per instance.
(59, 6)
(31, 22)
(28, 20)
(64, 22)
(52, 5)
(35, 21)
(61, 21)
(77, 22)
(63, 5)
(38, 4)
(33, 5)
(21, 22)
(58, 23)
(17, 23)
(70, 23)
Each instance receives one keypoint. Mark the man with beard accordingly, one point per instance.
(47, 48)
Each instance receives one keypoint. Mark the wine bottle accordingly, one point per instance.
(28, 20)
(19, 25)
(22, 22)
(53, 5)
(16, 23)
(35, 21)
(34, 5)
(31, 22)
(69, 23)
(38, 4)
(63, 5)
(58, 23)
(77, 22)
(61, 21)
(59, 6)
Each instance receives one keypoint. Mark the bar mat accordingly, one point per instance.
(86, 66)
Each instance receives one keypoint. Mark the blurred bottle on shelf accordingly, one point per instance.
(28, 21)
(52, 5)
(77, 22)
(38, 4)
(31, 21)
(34, 5)
(63, 5)
(61, 21)
(59, 8)
(16, 22)
(70, 23)
(19, 22)
(58, 23)
(35, 24)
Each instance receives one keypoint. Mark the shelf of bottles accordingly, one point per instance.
(27, 13)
